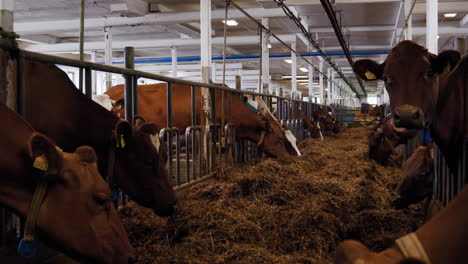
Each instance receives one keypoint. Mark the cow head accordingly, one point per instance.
(77, 215)
(311, 126)
(380, 147)
(275, 140)
(140, 168)
(410, 74)
(417, 177)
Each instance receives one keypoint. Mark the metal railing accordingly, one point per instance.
(447, 183)
(220, 142)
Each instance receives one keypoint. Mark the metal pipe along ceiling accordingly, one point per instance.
(254, 56)
(331, 15)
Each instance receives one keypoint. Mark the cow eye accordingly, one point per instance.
(101, 199)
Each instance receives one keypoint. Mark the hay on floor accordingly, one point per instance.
(294, 210)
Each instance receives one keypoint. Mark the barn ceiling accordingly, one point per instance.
(368, 26)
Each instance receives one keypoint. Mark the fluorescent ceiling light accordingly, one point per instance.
(231, 22)
(288, 61)
(450, 14)
(298, 76)
(303, 69)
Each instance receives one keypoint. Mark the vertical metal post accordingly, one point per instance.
(6, 14)
(265, 88)
(238, 82)
(88, 82)
(130, 88)
(94, 74)
(108, 54)
(321, 81)
(409, 28)
(293, 71)
(174, 61)
(82, 15)
(432, 25)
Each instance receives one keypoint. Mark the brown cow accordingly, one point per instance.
(249, 124)
(426, 91)
(383, 143)
(417, 177)
(76, 215)
(312, 128)
(56, 108)
(327, 120)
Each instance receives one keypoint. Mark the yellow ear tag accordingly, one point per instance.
(370, 75)
(41, 163)
(447, 68)
(122, 141)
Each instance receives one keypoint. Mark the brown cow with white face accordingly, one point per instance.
(55, 107)
(250, 123)
(76, 215)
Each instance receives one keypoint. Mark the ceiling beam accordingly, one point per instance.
(146, 44)
(51, 26)
(443, 7)
(317, 2)
(416, 30)
(464, 21)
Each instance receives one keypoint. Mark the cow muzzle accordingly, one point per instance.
(409, 116)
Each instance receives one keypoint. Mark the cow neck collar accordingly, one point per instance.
(26, 248)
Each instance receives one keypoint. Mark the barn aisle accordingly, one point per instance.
(293, 210)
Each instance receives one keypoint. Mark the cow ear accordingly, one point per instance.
(119, 104)
(138, 121)
(368, 69)
(123, 133)
(45, 154)
(445, 61)
(149, 128)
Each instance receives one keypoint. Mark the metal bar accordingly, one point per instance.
(169, 104)
(225, 41)
(193, 105)
(111, 69)
(129, 83)
(134, 95)
(339, 35)
(396, 22)
(88, 82)
(82, 15)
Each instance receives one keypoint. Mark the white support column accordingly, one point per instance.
(431, 25)
(108, 55)
(311, 80)
(329, 85)
(293, 70)
(205, 36)
(213, 73)
(6, 14)
(174, 61)
(409, 28)
(321, 81)
(93, 74)
(265, 59)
